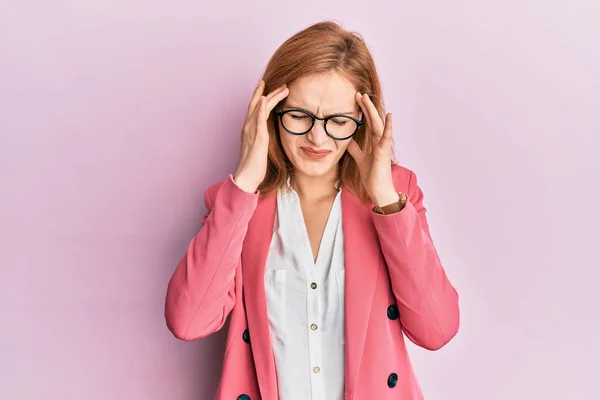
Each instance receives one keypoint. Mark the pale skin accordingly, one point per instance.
(314, 180)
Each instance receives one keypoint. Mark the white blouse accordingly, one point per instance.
(305, 303)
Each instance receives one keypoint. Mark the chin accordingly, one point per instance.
(314, 168)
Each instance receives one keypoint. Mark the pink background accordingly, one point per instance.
(114, 117)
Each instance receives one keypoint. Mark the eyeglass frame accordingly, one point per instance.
(359, 122)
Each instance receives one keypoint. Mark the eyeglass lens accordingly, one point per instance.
(299, 122)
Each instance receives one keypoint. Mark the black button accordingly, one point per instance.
(313, 285)
(393, 380)
(243, 397)
(246, 337)
(392, 312)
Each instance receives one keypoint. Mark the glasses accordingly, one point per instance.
(337, 126)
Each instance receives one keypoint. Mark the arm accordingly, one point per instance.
(427, 301)
(201, 291)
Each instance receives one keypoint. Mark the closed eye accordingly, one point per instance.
(340, 122)
(299, 116)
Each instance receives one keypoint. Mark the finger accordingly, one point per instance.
(386, 139)
(255, 98)
(276, 91)
(374, 115)
(261, 116)
(253, 125)
(368, 125)
(273, 101)
(355, 151)
(364, 109)
(373, 135)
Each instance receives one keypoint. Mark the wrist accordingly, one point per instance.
(385, 198)
(243, 184)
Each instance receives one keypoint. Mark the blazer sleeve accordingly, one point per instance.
(427, 301)
(201, 291)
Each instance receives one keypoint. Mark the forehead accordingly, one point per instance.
(326, 93)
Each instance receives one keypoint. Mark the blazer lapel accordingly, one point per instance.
(362, 258)
(254, 259)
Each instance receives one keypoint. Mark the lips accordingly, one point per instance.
(315, 154)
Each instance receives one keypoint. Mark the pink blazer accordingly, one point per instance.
(395, 287)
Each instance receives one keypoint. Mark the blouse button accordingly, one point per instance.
(313, 327)
(313, 285)
(316, 370)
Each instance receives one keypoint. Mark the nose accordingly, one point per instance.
(317, 134)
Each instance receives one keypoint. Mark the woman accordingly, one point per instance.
(318, 245)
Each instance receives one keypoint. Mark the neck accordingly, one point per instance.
(315, 187)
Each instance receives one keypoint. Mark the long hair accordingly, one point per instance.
(321, 48)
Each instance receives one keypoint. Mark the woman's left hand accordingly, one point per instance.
(375, 166)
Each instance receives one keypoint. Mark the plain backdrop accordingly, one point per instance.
(115, 116)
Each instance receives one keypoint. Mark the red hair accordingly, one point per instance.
(321, 48)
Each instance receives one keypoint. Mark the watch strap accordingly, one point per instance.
(392, 208)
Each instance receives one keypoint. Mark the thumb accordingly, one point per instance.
(355, 151)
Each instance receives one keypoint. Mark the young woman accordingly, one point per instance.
(318, 246)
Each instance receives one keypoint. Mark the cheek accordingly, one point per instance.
(342, 146)
(287, 141)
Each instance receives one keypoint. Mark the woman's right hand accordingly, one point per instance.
(252, 168)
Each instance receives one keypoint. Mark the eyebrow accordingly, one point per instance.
(302, 108)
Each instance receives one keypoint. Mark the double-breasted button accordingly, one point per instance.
(243, 397)
(392, 380)
(392, 312)
(246, 336)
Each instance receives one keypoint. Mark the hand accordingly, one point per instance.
(375, 166)
(254, 151)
